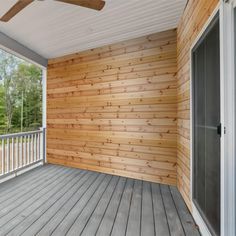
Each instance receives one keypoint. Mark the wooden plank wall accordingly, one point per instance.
(114, 109)
(195, 16)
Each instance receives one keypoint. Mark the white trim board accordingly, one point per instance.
(44, 104)
(228, 104)
(12, 46)
(200, 222)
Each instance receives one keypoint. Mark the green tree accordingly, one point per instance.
(29, 92)
(2, 108)
(8, 65)
(20, 94)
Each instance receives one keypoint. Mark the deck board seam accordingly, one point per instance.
(129, 207)
(177, 211)
(118, 206)
(141, 214)
(164, 209)
(153, 210)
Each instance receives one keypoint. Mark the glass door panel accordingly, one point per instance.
(206, 126)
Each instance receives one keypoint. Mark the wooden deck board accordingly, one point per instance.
(120, 223)
(107, 222)
(174, 222)
(69, 220)
(62, 201)
(43, 215)
(27, 186)
(96, 217)
(188, 223)
(161, 224)
(134, 222)
(12, 220)
(81, 221)
(147, 217)
(55, 221)
(44, 203)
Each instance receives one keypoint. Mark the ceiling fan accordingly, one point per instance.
(21, 4)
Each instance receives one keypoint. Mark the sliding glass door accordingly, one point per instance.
(206, 126)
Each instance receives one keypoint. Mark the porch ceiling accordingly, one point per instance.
(54, 29)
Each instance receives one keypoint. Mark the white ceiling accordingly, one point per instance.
(54, 29)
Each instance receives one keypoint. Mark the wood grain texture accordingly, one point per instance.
(195, 16)
(114, 109)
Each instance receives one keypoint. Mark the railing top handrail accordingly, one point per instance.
(21, 134)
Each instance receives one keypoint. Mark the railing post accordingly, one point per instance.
(44, 145)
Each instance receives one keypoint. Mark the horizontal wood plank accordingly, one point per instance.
(114, 109)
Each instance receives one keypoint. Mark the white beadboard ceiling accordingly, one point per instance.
(54, 29)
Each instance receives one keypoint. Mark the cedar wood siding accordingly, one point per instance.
(114, 109)
(195, 16)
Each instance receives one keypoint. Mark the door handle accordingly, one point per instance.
(219, 129)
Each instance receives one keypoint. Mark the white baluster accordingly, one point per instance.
(8, 155)
(17, 153)
(12, 154)
(3, 156)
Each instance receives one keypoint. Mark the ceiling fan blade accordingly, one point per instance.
(92, 4)
(20, 5)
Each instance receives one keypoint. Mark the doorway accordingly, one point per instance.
(206, 126)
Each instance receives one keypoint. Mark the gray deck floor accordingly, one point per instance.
(56, 200)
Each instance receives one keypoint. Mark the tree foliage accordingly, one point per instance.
(20, 94)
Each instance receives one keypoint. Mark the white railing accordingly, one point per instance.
(21, 150)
